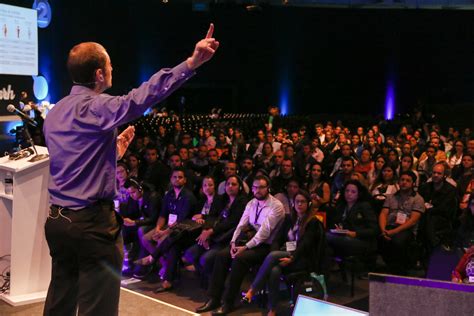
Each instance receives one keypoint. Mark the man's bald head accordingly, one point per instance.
(83, 61)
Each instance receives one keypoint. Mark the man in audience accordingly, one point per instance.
(279, 182)
(440, 203)
(199, 162)
(215, 168)
(247, 172)
(263, 216)
(398, 221)
(230, 169)
(177, 205)
(156, 172)
(277, 160)
(343, 175)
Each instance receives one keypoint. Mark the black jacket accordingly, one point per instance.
(360, 219)
(311, 246)
(147, 215)
(227, 221)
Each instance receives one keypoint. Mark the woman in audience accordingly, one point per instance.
(265, 160)
(355, 222)
(455, 154)
(464, 168)
(216, 234)
(365, 164)
(465, 234)
(406, 164)
(319, 190)
(386, 183)
(302, 238)
(209, 204)
(121, 175)
(287, 197)
(393, 158)
(377, 170)
(134, 166)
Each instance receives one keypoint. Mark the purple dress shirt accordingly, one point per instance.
(81, 134)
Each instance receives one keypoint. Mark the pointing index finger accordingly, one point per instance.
(210, 31)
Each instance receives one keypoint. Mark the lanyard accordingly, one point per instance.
(257, 214)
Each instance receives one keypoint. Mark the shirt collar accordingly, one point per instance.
(77, 89)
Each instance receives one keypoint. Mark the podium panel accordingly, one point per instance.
(22, 217)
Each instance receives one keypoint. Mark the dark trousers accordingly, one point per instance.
(240, 266)
(87, 251)
(395, 252)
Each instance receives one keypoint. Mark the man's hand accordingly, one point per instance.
(237, 251)
(285, 261)
(160, 234)
(124, 140)
(128, 222)
(204, 50)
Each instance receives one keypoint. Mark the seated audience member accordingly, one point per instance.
(465, 233)
(464, 272)
(354, 221)
(440, 204)
(175, 161)
(121, 175)
(177, 206)
(287, 197)
(215, 168)
(230, 169)
(247, 172)
(344, 152)
(465, 167)
(465, 180)
(455, 154)
(139, 213)
(262, 218)
(216, 234)
(398, 220)
(302, 241)
(319, 190)
(376, 171)
(365, 164)
(341, 177)
(199, 162)
(303, 161)
(134, 166)
(407, 164)
(208, 206)
(435, 143)
(156, 172)
(278, 157)
(385, 184)
(265, 158)
(280, 182)
(426, 163)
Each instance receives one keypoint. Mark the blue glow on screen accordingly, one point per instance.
(283, 102)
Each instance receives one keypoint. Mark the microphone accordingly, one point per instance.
(11, 108)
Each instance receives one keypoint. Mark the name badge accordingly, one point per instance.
(401, 218)
(290, 246)
(172, 218)
(471, 279)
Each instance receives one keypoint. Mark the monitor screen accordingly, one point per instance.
(310, 306)
(18, 41)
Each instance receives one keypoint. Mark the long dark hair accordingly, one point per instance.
(363, 194)
(307, 217)
(241, 188)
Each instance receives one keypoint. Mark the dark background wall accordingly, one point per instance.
(319, 60)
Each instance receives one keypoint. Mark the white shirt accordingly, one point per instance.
(266, 222)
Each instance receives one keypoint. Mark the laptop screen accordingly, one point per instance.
(310, 306)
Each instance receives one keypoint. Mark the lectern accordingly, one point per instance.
(22, 217)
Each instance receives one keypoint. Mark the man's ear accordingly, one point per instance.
(99, 75)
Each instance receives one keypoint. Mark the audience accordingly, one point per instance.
(181, 158)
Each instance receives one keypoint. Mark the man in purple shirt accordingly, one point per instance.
(82, 229)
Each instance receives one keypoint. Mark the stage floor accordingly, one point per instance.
(139, 299)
